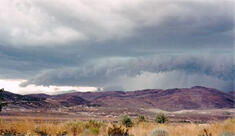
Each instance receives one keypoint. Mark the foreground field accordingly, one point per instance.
(40, 126)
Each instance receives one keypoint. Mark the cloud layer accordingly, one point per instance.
(117, 45)
(145, 72)
(58, 22)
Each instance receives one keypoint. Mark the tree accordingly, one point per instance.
(2, 104)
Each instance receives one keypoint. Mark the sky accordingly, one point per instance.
(57, 46)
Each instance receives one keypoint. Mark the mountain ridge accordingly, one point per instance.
(175, 99)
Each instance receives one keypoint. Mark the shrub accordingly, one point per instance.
(95, 131)
(61, 133)
(93, 126)
(75, 128)
(227, 113)
(41, 131)
(205, 133)
(159, 132)
(117, 131)
(161, 118)
(9, 132)
(227, 134)
(126, 121)
(141, 118)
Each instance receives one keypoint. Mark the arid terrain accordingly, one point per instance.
(196, 104)
(196, 111)
(40, 127)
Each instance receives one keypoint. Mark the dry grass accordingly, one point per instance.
(28, 126)
(216, 128)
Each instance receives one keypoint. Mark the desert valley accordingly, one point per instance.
(193, 106)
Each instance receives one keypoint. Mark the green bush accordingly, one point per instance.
(141, 118)
(227, 134)
(159, 132)
(41, 131)
(95, 131)
(126, 121)
(75, 128)
(161, 118)
(93, 126)
(117, 131)
(227, 113)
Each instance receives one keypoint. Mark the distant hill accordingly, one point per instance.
(232, 93)
(171, 99)
(41, 95)
(25, 101)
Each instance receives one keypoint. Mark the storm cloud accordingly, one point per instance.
(117, 45)
(178, 71)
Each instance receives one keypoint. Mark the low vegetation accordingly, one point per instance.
(161, 118)
(126, 121)
(117, 131)
(26, 127)
(141, 118)
(2, 103)
(159, 132)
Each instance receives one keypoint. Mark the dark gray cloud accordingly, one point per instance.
(118, 45)
(117, 71)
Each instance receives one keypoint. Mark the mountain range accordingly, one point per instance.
(169, 100)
